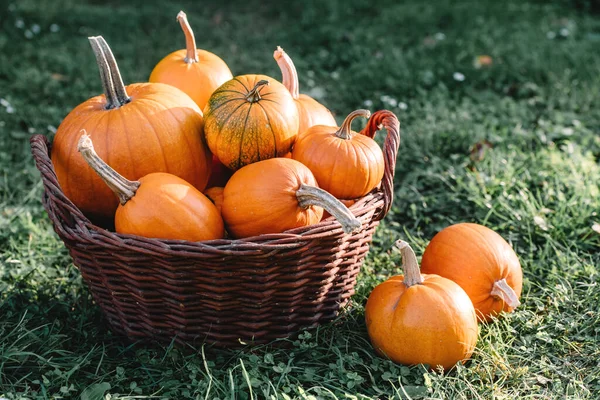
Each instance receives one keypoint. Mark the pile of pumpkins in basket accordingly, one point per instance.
(158, 145)
(267, 159)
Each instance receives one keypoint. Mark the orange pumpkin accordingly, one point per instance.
(310, 111)
(159, 205)
(346, 164)
(138, 129)
(197, 72)
(215, 194)
(421, 319)
(275, 195)
(481, 262)
(250, 118)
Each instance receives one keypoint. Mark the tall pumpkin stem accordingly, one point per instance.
(123, 188)
(410, 265)
(190, 41)
(345, 132)
(112, 83)
(288, 72)
(254, 95)
(503, 290)
(313, 196)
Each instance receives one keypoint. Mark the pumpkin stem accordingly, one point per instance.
(503, 290)
(112, 83)
(345, 132)
(410, 265)
(123, 188)
(254, 95)
(190, 41)
(288, 72)
(313, 196)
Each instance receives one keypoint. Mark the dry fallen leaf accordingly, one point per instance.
(59, 77)
(482, 61)
(479, 149)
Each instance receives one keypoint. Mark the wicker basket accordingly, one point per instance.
(221, 291)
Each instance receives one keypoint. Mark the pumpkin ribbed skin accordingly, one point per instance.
(261, 198)
(421, 319)
(310, 111)
(167, 207)
(241, 131)
(476, 257)
(348, 167)
(158, 205)
(198, 79)
(158, 129)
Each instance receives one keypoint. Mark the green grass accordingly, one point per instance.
(538, 105)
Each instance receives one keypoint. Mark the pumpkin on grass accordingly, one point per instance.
(481, 262)
(250, 118)
(159, 205)
(346, 164)
(310, 111)
(275, 195)
(421, 319)
(138, 129)
(197, 72)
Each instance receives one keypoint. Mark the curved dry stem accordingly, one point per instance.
(410, 265)
(503, 290)
(254, 94)
(190, 41)
(114, 88)
(115, 74)
(123, 188)
(107, 84)
(288, 72)
(344, 132)
(313, 196)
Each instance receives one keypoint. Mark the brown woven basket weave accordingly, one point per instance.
(221, 291)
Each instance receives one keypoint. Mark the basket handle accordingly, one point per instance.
(388, 120)
(40, 149)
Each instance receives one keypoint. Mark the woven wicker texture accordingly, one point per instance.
(222, 291)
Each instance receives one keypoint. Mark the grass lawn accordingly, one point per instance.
(538, 105)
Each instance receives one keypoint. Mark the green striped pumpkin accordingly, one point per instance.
(250, 118)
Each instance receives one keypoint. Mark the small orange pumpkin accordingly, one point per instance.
(215, 194)
(138, 129)
(346, 164)
(250, 118)
(159, 205)
(275, 195)
(421, 319)
(197, 72)
(481, 262)
(310, 111)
